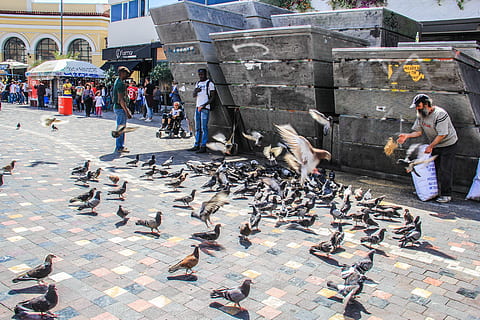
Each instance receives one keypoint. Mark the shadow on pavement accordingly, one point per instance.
(354, 310)
(33, 289)
(183, 277)
(232, 311)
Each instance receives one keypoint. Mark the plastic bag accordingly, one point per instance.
(426, 184)
(474, 193)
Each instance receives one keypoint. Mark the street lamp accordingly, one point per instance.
(61, 27)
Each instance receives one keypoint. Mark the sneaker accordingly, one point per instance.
(124, 150)
(444, 199)
(194, 148)
(202, 149)
(148, 120)
(142, 118)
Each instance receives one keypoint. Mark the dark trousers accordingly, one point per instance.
(41, 101)
(88, 106)
(444, 164)
(131, 106)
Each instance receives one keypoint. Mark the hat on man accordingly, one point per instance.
(123, 68)
(420, 98)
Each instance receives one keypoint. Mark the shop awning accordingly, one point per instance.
(130, 64)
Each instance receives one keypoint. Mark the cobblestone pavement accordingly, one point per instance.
(106, 270)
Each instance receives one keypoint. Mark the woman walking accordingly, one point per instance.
(87, 99)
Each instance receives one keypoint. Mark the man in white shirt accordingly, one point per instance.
(205, 93)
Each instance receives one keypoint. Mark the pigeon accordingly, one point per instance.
(120, 191)
(407, 227)
(367, 195)
(245, 231)
(369, 222)
(362, 266)
(303, 157)
(209, 235)
(372, 203)
(134, 162)
(211, 206)
(413, 236)
(375, 238)
(48, 120)
(81, 170)
(348, 291)
(150, 162)
(122, 213)
(42, 304)
(121, 129)
(54, 128)
(307, 222)
(84, 197)
(96, 174)
(337, 238)
(187, 263)
(187, 199)
(39, 272)
(176, 182)
(18, 126)
(168, 162)
(335, 213)
(413, 158)
(235, 295)
(9, 167)
(272, 153)
(254, 136)
(175, 174)
(149, 174)
(255, 218)
(114, 179)
(321, 119)
(408, 217)
(222, 144)
(85, 178)
(1, 179)
(323, 246)
(358, 194)
(152, 224)
(92, 203)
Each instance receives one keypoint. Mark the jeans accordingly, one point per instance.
(444, 164)
(121, 120)
(201, 127)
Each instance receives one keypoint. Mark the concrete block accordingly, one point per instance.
(395, 104)
(471, 48)
(186, 10)
(188, 31)
(187, 72)
(252, 8)
(373, 20)
(191, 52)
(283, 97)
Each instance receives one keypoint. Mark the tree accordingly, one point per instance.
(161, 72)
(298, 5)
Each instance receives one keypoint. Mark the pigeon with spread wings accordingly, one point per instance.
(302, 157)
(121, 129)
(322, 119)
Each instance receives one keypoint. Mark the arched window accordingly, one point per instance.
(14, 49)
(45, 50)
(80, 50)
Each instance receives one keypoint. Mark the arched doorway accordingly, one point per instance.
(45, 50)
(14, 49)
(80, 50)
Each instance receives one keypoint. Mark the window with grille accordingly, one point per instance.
(14, 49)
(45, 50)
(80, 50)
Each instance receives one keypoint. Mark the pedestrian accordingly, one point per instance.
(67, 88)
(140, 106)
(149, 87)
(87, 99)
(174, 94)
(436, 124)
(157, 99)
(120, 106)
(26, 91)
(132, 92)
(99, 103)
(78, 95)
(41, 91)
(205, 94)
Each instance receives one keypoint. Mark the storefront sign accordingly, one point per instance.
(133, 52)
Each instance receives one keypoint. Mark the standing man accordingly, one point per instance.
(205, 93)
(120, 106)
(67, 88)
(437, 126)
(149, 103)
(78, 95)
(41, 91)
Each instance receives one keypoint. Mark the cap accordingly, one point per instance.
(123, 68)
(420, 98)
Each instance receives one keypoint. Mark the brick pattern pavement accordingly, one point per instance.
(106, 270)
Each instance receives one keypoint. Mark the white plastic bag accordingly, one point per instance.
(474, 193)
(426, 184)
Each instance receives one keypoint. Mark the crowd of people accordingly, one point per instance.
(15, 91)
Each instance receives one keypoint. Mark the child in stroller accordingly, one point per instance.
(172, 122)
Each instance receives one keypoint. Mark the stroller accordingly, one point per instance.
(178, 127)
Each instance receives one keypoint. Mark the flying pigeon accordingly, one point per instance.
(254, 136)
(121, 129)
(321, 119)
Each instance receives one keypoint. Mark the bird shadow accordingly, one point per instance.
(183, 277)
(154, 235)
(121, 223)
(82, 185)
(110, 156)
(294, 226)
(354, 310)
(33, 289)
(357, 228)
(110, 184)
(182, 207)
(115, 199)
(39, 162)
(387, 219)
(91, 213)
(208, 191)
(326, 259)
(245, 242)
(172, 191)
(369, 231)
(379, 251)
(254, 232)
(206, 247)
(426, 246)
(232, 311)
(29, 316)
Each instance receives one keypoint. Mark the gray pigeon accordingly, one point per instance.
(234, 295)
(39, 272)
(413, 236)
(42, 304)
(187, 199)
(168, 162)
(362, 266)
(120, 191)
(1, 179)
(349, 291)
(92, 203)
(122, 213)
(153, 223)
(375, 238)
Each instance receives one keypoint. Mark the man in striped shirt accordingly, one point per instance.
(436, 124)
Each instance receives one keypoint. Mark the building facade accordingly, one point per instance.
(32, 31)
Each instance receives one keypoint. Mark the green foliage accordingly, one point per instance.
(460, 3)
(298, 5)
(69, 55)
(161, 72)
(110, 76)
(351, 4)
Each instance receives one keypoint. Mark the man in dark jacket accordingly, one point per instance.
(41, 95)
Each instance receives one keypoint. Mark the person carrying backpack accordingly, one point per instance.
(205, 93)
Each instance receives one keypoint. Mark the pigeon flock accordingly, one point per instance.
(296, 195)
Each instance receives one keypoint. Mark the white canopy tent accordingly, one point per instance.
(66, 68)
